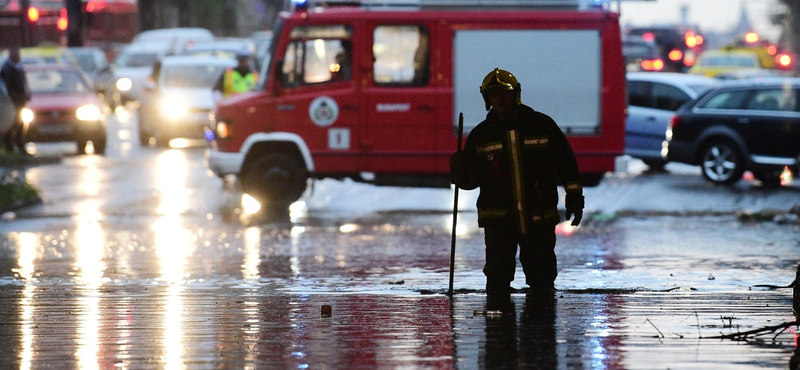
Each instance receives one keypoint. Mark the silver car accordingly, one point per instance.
(653, 97)
(182, 100)
(133, 67)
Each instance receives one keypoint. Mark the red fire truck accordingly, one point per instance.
(374, 93)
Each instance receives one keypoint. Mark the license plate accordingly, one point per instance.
(55, 129)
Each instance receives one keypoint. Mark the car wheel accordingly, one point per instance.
(722, 162)
(81, 146)
(144, 138)
(276, 180)
(99, 144)
(162, 141)
(655, 164)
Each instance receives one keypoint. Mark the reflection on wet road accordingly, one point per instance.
(129, 264)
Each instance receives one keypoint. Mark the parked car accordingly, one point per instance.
(94, 63)
(133, 66)
(653, 98)
(182, 100)
(63, 107)
(641, 55)
(747, 125)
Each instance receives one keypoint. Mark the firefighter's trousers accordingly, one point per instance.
(537, 255)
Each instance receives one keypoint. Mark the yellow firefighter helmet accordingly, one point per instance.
(500, 79)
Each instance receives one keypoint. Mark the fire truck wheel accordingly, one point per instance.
(276, 180)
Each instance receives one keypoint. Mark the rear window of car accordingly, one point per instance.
(726, 100)
(729, 61)
(639, 94)
(136, 60)
(773, 100)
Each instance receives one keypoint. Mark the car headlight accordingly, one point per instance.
(174, 107)
(89, 112)
(124, 84)
(26, 115)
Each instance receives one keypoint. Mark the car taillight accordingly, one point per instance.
(691, 39)
(674, 121)
(63, 21)
(652, 64)
(783, 60)
(675, 55)
(33, 14)
(689, 58)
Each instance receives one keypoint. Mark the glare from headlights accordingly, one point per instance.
(26, 115)
(124, 84)
(174, 107)
(89, 112)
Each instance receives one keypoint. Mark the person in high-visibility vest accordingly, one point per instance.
(240, 79)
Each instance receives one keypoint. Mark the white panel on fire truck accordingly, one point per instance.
(559, 71)
(323, 111)
(339, 138)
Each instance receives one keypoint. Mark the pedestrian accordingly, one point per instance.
(517, 157)
(241, 79)
(14, 77)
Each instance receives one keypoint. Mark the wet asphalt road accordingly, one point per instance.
(140, 260)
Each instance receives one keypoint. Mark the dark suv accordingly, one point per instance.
(751, 125)
(679, 44)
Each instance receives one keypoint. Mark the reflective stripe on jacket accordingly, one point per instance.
(235, 83)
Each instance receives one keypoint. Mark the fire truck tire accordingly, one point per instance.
(274, 179)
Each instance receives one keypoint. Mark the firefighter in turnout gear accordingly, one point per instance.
(517, 156)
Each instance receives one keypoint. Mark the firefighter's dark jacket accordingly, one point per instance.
(520, 158)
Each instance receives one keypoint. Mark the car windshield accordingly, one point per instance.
(219, 53)
(729, 61)
(86, 62)
(191, 76)
(136, 60)
(638, 50)
(56, 81)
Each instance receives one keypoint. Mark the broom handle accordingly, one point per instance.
(455, 212)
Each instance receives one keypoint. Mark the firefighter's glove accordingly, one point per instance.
(456, 160)
(574, 205)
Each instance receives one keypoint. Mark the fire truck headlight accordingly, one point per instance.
(26, 115)
(174, 108)
(223, 130)
(89, 112)
(124, 84)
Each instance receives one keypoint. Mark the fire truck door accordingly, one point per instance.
(319, 101)
(401, 110)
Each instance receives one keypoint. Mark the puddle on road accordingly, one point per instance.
(634, 294)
